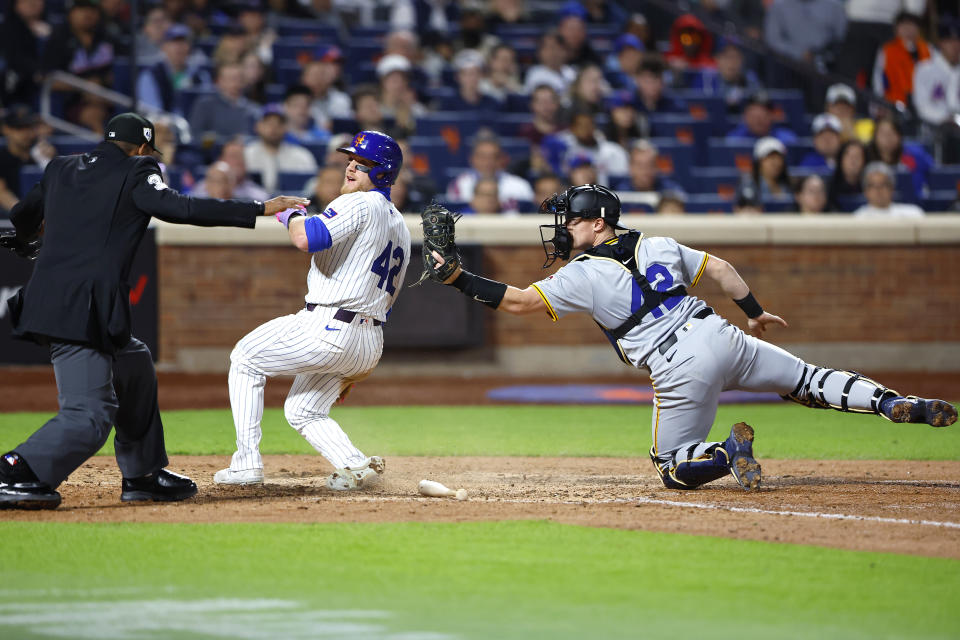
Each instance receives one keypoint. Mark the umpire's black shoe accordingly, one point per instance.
(28, 495)
(20, 488)
(162, 486)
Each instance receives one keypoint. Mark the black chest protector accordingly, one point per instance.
(624, 251)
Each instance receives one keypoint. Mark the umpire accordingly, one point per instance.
(92, 211)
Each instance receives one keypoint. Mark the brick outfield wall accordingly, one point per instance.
(210, 296)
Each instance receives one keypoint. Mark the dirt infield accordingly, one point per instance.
(901, 507)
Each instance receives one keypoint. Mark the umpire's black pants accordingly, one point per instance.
(97, 390)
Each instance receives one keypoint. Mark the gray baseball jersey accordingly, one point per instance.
(335, 341)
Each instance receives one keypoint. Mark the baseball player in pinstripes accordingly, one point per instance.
(360, 250)
(635, 288)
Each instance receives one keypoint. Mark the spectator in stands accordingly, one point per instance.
(811, 195)
(150, 38)
(582, 171)
(486, 197)
(406, 43)
(672, 202)
(260, 36)
(589, 89)
(841, 101)
(644, 170)
(729, 79)
(255, 77)
(502, 78)
(889, 148)
(334, 158)
(23, 149)
(878, 186)
(869, 25)
(623, 64)
(770, 173)
(805, 30)
(419, 184)
(325, 189)
(827, 130)
(224, 113)
(545, 186)
(847, 181)
(637, 25)
(572, 29)
(747, 200)
(115, 18)
(936, 81)
(532, 165)
(758, 114)
(301, 128)
(244, 188)
(366, 108)
(551, 68)
(320, 75)
(583, 140)
(604, 12)
(397, 97)
(22, 32)
(691, 45)
(424, 15)
(80, 46)
(625, 125)
(650, 89)
(485, 161)
(473, 33)
(160, 85)
(231, 46)
(269, 154)
(893, 69)
(545, 108)
(220, 181)
(506, 13)
(470, 97)
(92, 113)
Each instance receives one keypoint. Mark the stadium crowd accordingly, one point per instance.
(499, 103)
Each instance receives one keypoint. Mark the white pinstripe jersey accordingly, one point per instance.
(363, 270)
(606, 290)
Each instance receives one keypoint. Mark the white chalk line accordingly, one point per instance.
(672, 503)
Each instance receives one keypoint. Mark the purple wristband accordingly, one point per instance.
(287, 214)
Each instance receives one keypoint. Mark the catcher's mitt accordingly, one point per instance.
(28, 250)
(439, 227)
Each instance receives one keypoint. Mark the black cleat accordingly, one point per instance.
(739, 446)
(162, 486)
(28, 495)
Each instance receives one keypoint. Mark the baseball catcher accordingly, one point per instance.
(637, 289)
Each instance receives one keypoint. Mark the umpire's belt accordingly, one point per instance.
(343, 315)
(672, 340)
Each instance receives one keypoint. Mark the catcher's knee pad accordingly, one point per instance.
(849, 391)
(693, 466)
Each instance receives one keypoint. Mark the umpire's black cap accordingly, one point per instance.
(132, 128)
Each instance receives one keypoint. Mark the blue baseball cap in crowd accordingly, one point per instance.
(177, 32)
(949, 28)
(627, 40)
(273, 109)
(328, 53)
(572, 9)
(620, 98)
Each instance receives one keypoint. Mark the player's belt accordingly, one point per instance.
(343, 315)
(672, 340)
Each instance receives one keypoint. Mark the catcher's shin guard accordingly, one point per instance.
(841, 390)
(692, 466)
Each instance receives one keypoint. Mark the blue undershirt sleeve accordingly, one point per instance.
(318, 236)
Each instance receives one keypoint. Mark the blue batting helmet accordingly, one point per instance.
(380, 149)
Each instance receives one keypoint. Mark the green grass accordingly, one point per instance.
(783, 431)
(475, 580)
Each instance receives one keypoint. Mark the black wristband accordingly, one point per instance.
(750, 306)
(488, 292)
(261, 206)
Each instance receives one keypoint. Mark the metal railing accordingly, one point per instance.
(57, 79)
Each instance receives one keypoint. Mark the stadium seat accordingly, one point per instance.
(779, 204)
(939, 201)
(944, 177)
(675, 159)
(29, 176)
(434, 154)
(708, 203)
(70, 145)
(293, 181)
(718, 181)
(289, 27)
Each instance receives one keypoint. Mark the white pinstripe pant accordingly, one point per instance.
(326, 355)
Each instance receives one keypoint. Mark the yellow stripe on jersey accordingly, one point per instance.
(703, 265)
(550, 311)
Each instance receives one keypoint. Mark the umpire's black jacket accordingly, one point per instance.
(96, 207)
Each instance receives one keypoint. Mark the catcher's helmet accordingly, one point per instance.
(582, 201)
(378, 148)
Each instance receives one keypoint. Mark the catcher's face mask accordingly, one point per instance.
(557, 246)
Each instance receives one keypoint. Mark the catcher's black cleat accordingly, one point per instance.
(162, 486)
(739, 446)
(936, 413)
